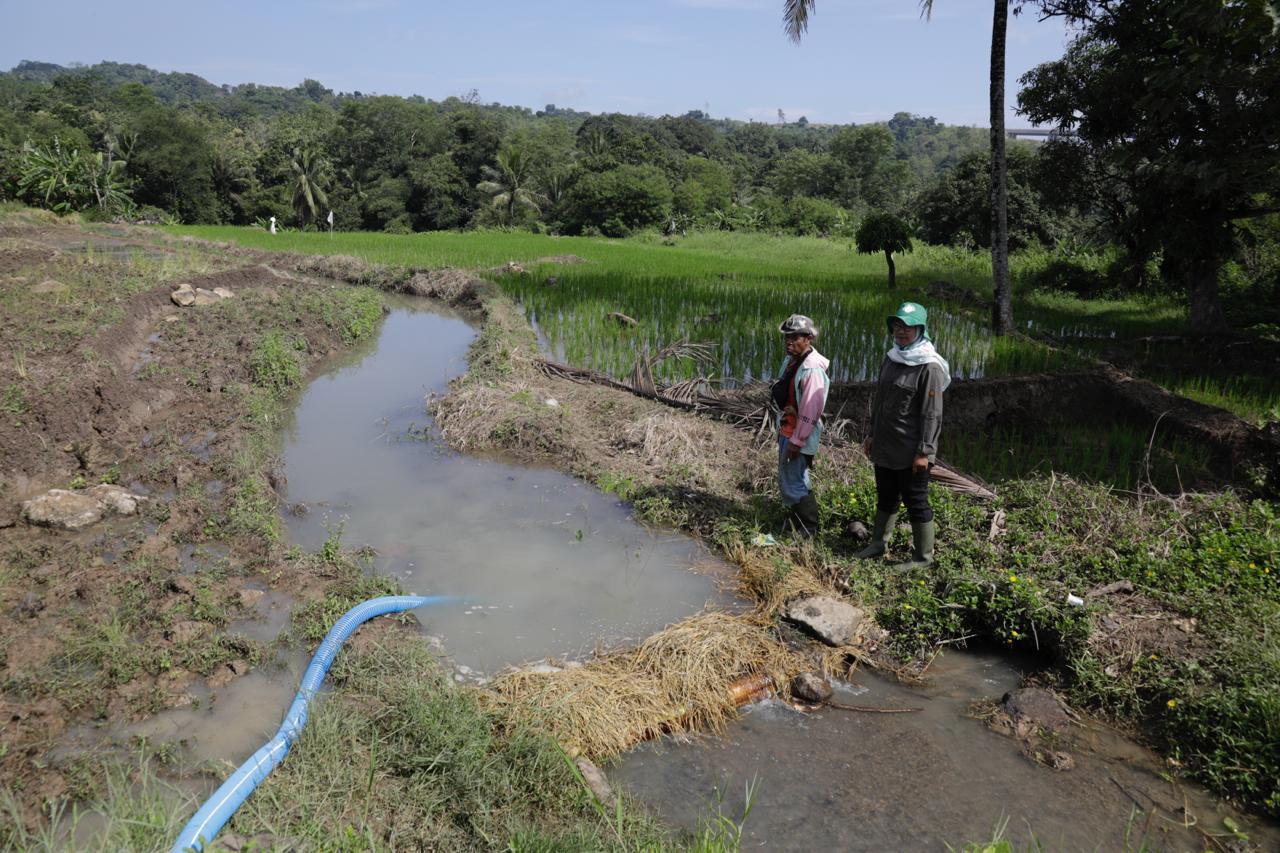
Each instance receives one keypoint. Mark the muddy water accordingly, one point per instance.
(546, 565)
(839, 780)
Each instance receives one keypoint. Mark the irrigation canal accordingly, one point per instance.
(549, 567)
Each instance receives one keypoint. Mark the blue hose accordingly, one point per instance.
(219, 808)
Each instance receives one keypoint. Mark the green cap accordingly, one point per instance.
(911, 314)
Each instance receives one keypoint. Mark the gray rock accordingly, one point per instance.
(833, 621)
(250, 597)
(223, 292)
(859, 531)
(184, 295)
(810, 687)
(116, 499)
(1034, 707)
(63, 509)
(206, 297)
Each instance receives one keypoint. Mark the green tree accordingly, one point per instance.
(510, 185)
(71, 180)
(619, 201)
(795, 14)
(311, 174)
(884, 232)
(1181, 100)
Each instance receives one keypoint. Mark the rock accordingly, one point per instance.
(1033, 708)
(595, 779)
(833, 621)
(223, 292)
(206, 297)
(116, 499)
(224, 675)
(239, 666)
(189, 631)
(810, 687)
(858, 531)
(184, 295)
(63, 509)
(171, 318)
(250, 597)
(179, 701)
(513, 267)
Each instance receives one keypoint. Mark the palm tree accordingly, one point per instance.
(795, 18)
(510, 185)
(310, 172)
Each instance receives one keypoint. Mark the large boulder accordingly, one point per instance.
(833, 621)
(183, 295)
(64, 509)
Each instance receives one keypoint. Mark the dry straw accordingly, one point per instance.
(677, 681)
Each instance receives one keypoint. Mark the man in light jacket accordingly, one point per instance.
(799, 398)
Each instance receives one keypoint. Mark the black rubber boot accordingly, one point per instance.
(805, 516)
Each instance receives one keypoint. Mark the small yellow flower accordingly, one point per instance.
(1252, 566)
(1013, 578)
(1172, 703)
(906, 607)
(1153, 657)
(1150, 573)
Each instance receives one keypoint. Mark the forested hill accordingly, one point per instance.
(201, 152)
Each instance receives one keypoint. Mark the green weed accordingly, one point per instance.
(275, 365)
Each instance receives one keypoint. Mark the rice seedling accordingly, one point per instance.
(1119, 455)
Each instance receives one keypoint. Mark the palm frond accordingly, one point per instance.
(795, 17)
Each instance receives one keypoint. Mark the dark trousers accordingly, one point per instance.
(896, 486)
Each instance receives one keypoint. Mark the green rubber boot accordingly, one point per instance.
(804, 516)
(921, 548)
(881, 533)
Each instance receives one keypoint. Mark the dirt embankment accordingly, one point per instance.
(106, 380)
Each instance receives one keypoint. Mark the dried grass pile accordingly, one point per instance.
(677, 681)
(454, 286)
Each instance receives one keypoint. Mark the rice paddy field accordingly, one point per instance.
(733, 289)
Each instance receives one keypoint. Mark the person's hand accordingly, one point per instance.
(793, 450)
(866, 447)
(920, 463)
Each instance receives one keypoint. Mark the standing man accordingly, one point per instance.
(798, 399)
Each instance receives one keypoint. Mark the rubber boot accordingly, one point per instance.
(881, 533)
(805, 516)
(921, 548)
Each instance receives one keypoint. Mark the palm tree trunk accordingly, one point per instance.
(1202, 287)
(1002, 307)
(893, 273)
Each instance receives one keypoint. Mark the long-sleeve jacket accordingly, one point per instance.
(906, 417)
(810, 394)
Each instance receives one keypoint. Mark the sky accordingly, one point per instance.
(861, 61)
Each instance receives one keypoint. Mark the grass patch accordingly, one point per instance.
(398, 758)
(275, 364)
(1205, 690)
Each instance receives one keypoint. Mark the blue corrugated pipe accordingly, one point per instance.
(219, 808)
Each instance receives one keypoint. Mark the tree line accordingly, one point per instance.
(1165, 173)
